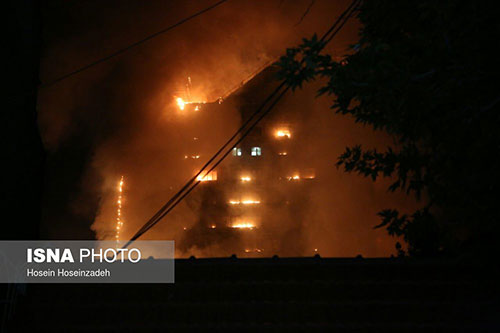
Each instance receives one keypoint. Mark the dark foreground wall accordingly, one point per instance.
(276, 295)
(22, 153)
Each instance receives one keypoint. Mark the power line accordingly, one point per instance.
(131, 46)
(354, 6)
(349, 11)
(178, 197)
(193, 183)
(192, 180)
(146, 228)
(306, 12)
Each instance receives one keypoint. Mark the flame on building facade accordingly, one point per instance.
(257, 189)
(119, 203)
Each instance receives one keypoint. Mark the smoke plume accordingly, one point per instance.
(121, 118)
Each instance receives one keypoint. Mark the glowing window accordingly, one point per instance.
(236, 151)
(283, 133)
(246, 179)
(211, 176)
(256, 151)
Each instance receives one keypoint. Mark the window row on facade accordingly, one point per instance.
(254, 151)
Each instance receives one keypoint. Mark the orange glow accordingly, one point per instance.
(243, 225)
(244, 202)
(284, 153)
(211, 176)
(283, 133)
(246, 179)
(213, 226)
(119, 221)
(255, 250)
(180, 103)
(250, 202)
(294, 177)
(309, 174)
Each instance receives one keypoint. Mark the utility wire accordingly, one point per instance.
(349, 11)
(353, 8)
(144, 230)
(306, 12)
(131, 46)
(192, 180)
(179, 196)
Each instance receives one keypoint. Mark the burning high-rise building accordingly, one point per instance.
(260, 192)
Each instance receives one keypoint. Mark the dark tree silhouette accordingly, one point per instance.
(425, 73)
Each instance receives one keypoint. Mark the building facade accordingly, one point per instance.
(256, 200)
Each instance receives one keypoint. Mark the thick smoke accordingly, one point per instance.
(120, 118)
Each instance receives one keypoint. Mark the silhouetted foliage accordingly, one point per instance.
(422, 71)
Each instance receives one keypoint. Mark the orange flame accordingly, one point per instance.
(180, 103)
(244, 202)
(283, 133)
(211, 176)
(119, 221)
(244, 225)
